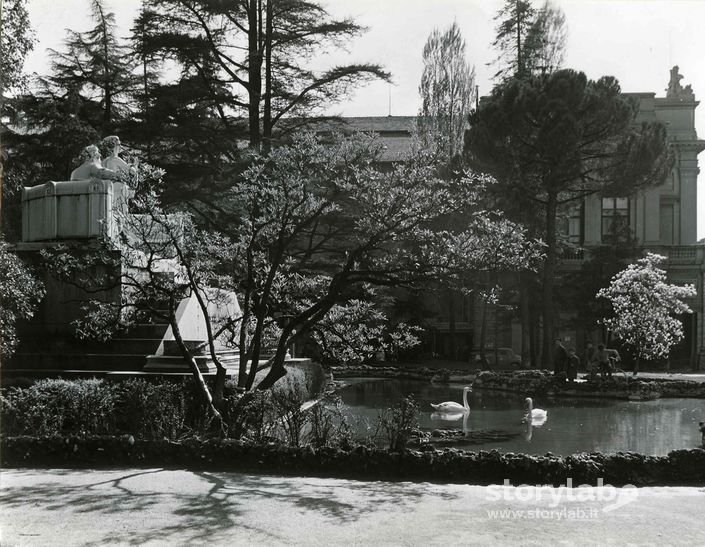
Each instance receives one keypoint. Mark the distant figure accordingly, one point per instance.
(572, 365)
(560, 357)
(606, 358)
(91, 167)
(615, 359)
(592, 364)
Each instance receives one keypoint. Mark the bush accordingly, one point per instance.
(287, 399)
(328, 425)
(162, 409)
(398, 423)
(153, 410)
(60, 407)
(95, 407)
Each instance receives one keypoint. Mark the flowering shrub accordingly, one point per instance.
(644, 306)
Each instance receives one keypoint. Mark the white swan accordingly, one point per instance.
(536, 416)
(451, 407)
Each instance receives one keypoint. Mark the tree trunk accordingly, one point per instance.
(195, 371)
(254, 73)
(267, 121)
(549, 272)
(483, 333)
(525, 318)
(277, 369)
(520, 69)
(221, 372)
(451, 325)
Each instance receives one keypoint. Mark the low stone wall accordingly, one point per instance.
(447, 465)
(540, 382)
(406, 373)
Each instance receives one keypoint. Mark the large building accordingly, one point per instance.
(661, 219)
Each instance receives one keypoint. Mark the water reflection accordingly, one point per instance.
(575, 425)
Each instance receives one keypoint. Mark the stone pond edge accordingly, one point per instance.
(537, 382)
(449, 465)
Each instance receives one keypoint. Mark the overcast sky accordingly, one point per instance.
(637, 41)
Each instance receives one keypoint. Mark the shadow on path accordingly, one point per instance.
(195, 507)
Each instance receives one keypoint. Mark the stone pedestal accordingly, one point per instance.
(78, 209)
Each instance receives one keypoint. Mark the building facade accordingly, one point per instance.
(660, 219)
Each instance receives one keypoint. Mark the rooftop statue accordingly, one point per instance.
(675, 90)
(91, 166)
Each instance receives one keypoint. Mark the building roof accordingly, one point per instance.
(394, 132)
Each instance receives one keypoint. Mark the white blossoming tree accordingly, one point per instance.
(645, 306)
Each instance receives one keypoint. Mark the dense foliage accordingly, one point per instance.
(20, 294)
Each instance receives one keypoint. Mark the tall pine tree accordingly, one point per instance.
(528, 41)
(94, 65)
(255, 57)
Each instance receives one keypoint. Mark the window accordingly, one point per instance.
(615, 219)
(575, 225)
(667, 224)
(571, 224)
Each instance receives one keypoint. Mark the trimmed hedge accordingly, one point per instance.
(448, 465)
(95, 407)
(145, 408)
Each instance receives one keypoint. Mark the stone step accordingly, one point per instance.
(174, 363)
(68, 346)
(84, 361)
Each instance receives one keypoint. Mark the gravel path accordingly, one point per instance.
(61, 507)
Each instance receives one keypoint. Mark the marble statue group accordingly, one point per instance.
(110, 168)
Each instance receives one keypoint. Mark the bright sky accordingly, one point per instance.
(637, 41)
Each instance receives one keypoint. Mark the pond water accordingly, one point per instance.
(573, 425)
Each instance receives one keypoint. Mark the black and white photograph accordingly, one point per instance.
(352, 272)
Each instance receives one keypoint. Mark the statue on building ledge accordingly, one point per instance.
(675, 90)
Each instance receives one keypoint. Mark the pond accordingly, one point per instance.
(573, 425)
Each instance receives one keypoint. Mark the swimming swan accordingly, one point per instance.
(537, 416)
(452, 406)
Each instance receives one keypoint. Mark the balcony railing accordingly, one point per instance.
(675, 254)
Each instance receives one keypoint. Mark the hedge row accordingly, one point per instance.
(447, 465)
(145, 408)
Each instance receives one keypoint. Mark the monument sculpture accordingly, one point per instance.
(91, 166)
(675, 90)
(122, 193)
(113, 161)
(87, 206)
